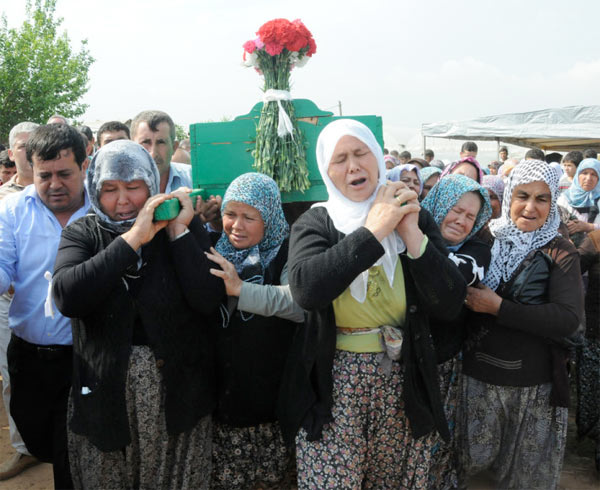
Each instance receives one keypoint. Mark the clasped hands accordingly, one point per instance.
(396, 207)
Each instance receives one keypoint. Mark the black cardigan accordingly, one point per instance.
(250, 359)
(449, 336)
(322, 263)
(175, 298)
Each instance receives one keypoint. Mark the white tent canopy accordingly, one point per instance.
(563, 129)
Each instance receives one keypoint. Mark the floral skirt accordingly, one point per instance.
(442, 470)
(588, 393)
(369, 443)
(153, 459)
(513, 431)
(251, 457)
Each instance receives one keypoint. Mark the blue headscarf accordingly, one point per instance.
(395, 174)
(260, 192)
(577, 197)
(447, 192)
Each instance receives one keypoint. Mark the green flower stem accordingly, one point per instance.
(283, 159)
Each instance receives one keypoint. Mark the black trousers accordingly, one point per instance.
(40, 380)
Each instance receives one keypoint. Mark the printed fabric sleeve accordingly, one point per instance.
(319, 270)
(472, 260)
(270, 300)
(562, 314)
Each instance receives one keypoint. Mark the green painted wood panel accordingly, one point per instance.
(222, 151)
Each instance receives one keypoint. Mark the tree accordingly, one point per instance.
(40, 75)
(180, 132)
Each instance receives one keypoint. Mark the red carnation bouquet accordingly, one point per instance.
(280, 153)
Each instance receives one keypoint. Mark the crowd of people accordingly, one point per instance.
(411, 331)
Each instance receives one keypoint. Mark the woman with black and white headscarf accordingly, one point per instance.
(140, 296)
(513, 412)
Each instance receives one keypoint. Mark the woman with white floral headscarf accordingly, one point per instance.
(360, 390)
(513, 412)
(140, 296)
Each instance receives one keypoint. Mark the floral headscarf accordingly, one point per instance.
(348, 215)
(260, 192)
(395, 174)
(450, 168)
(428, 172)
(512, 245)
(122, 160)
(495, 184)
(575, 195)
(390, 158)
(447, 192)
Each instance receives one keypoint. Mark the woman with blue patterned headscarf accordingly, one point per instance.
(253, 338)
(461, 207)
(582, 200)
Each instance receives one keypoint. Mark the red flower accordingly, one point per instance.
(249, 47)
(273, 48)
(274, 31)
(278, 34)
(312, 49)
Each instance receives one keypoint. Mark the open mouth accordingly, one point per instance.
(126, 216)
(357, 182)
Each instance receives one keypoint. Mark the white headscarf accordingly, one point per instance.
(348, 215)
(512, 245)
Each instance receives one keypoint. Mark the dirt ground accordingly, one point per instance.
(578, 470)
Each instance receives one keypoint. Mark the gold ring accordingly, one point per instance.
(401, 203)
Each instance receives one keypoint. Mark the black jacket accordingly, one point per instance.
(173, 302)
(322, 263)
(251, 355)
(449, 336)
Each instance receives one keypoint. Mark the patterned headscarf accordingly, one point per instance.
(348, 215)
(495, 184)
(395, 174)
(122, 160)
(428, 172)
(260, 192)
(450, 168)
(390, 158)
(447, 192)
(512, 245)
(577, 197)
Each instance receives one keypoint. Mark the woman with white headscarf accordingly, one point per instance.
(140, 296)
(513, 412)
(360, 389)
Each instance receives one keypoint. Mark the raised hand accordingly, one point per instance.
(233, 283)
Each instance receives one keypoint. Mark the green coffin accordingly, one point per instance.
(222, 151)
